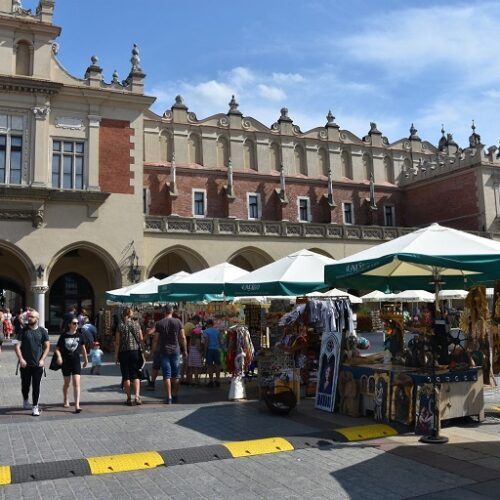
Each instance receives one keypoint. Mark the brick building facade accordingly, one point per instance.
(97, 190)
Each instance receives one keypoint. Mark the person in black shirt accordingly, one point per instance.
(32, 348)
(68, 349)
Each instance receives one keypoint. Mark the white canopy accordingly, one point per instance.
(124, 294)
(377, 296)
(335, 292)
(415, 296)
(452, 294)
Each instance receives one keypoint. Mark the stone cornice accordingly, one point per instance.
(30, 23)
(39, 194)
(106, 94)
(28, 85)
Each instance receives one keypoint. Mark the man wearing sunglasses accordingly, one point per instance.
(31, 349)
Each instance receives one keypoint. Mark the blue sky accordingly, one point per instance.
(387, 61)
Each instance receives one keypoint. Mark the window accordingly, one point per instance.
(199, 202)
(304, 209)
(146, 200)
(249, 157)
(348, 213)
(389, 215)
(67, 164)
(346, 170)
(254, 206)
(11, 149)
(194, 149)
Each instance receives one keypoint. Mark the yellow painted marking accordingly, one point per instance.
(363, 432)
(5, 474)
(125, 462)
(258, 447)
(494, 408)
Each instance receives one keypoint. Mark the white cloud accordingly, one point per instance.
(271, 93)
(443, 38)
(288, 77)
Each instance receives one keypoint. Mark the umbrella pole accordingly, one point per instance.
(434, 437)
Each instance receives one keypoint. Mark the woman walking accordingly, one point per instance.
(68, 349)
(127, 345)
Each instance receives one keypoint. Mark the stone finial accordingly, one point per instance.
(450, 141)
(413, 134)
(94, 71)
(233, 107)
(179, 103)
(374, 129)
(115, 77)
(474, 139)
(135, 59)
(442, 141)
(17, 8)
(330, 120)
(284, 116)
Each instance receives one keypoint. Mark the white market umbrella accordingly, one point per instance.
(335, 292)
(423, 259)
(452, 294)
(207, 281)
(415, 296)
(296, 274)
(123, 294)
(377, 296)
(148, 291)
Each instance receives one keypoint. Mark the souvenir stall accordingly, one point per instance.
(306, 357)
(438, 374)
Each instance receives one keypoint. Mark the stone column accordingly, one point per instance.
(39, 292)
(93, 152)
(39, 176)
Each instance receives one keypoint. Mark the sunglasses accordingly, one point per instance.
(74, 322)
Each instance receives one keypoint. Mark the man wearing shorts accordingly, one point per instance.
(212, 338)
(170, 342)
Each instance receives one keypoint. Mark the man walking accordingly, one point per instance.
(31, 349)
(170, 341)
(213, 343)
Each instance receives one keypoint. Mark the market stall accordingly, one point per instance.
(437, 375)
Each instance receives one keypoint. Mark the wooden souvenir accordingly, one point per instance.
(427, 403)
(382, 398)
(402, 400)
(348, 394)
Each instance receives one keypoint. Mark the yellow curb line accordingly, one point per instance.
(5, 477)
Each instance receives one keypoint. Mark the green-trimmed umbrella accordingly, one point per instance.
(148, 292)
(123, 294)
(210, 281)
(421, 260)
(296, 274)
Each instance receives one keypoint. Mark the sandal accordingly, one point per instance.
(129, 402)
(138, 401)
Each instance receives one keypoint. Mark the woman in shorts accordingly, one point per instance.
(68, 349)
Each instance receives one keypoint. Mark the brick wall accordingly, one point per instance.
(219, 206)
(451, 201)
(115, 156)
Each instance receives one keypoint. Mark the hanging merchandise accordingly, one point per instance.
(240, 353)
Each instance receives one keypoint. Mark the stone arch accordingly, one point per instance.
(222, 151)
(166, 146)
(274, 157)
(388, 169)
(174, 259)
(299, 160)
(250, 258)
(323, 162)
(81, 262)
(24, 58)
(346, 164)
(249, 156)
(194, 149)
(321, 252)
(17, 273)
(367, 166)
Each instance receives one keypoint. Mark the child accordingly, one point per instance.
(194, 356)
(96, 358)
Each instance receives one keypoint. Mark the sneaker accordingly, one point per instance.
(36, 411)
(26, 405)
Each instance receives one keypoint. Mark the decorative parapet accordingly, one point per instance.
(274, 229)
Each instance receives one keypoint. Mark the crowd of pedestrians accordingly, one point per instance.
(179, 351)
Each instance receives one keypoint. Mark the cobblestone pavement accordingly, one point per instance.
(392, 468)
